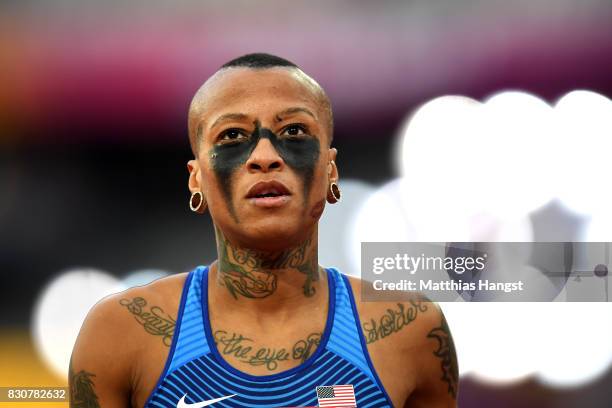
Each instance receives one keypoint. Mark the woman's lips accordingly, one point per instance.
(270, 202)
(268, 194)
(267, 188)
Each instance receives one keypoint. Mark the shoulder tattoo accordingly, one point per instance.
(393, 320)
(152, 318)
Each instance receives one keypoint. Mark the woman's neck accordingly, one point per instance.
(262, 280)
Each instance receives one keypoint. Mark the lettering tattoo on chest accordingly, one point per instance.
(392, 321)
(82, 394)
(152, 318)
(245, 272)
(448, 356)
(242, 348)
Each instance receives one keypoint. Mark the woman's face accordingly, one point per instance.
(263, 158)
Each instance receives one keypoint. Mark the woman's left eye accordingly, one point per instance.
(294, 130)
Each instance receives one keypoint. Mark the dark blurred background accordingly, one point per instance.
(93, 135)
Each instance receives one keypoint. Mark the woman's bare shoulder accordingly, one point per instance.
(129, 311)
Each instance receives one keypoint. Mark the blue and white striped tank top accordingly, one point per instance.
(196, 373)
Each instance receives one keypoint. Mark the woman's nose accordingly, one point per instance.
(264, 157)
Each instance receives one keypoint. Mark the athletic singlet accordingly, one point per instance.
(196, 373)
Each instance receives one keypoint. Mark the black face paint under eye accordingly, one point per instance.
(299, 153)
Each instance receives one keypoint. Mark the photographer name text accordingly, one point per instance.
(448, 285)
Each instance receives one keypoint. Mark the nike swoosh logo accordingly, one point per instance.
(183, 404)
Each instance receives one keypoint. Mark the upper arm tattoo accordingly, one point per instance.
(155, 321)
(447, 355)
(82, 394)
(392, 321)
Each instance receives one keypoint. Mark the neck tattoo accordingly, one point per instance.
(253, 274)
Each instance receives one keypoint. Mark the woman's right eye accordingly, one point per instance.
(232, 135)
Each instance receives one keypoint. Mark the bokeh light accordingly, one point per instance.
(141, 277)
(585, 140)
(61, 309)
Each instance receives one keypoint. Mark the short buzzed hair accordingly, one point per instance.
(264, 61)
(259, 60)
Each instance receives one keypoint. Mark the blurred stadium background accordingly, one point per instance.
(93, 152)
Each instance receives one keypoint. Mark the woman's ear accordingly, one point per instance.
(195, 179)
(332, 169)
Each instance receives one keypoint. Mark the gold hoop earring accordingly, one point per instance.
(333, 195)
(197, 203)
